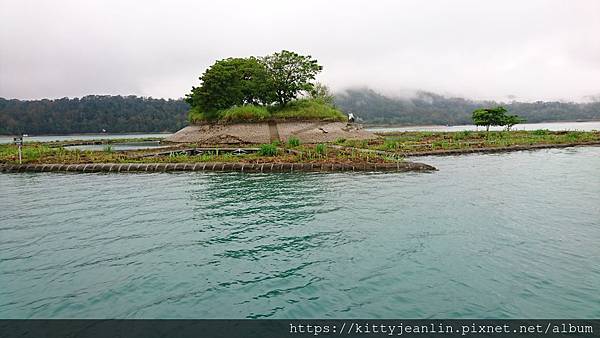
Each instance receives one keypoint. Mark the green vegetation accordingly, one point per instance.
(415, 142)
(494, 117)
(290, 74)
(389, 148)
(293, 142)
(321, 149)
(91, 114)
(303, 109)
(228, 83)
(426, 108)
(124, 114)
(245, 113)
(311, 109)
(256, 89)
(267, 150)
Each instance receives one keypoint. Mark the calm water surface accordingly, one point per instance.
(511, 235)
(120, 146)
(80, 137)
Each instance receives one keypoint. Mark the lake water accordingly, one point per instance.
(584, 126)
(81, 137)
(487, 236)
(120, 146)
(556, 126)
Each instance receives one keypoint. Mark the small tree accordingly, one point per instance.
(511, 120)
(322, 93)
(290, 74)
(489, 117)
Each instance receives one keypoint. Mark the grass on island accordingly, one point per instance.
(415, 142)
(392, 147)
(303, 109)
(292, 152)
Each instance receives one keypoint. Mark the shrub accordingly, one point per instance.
(540, 132)
(321, 149)
(195, 116)
(108, 148)
(293, 141)
(461, 135)
(573, 135)
(308, 109)
(390, 144)
(244, 113)
(340, 140)
(267, 150)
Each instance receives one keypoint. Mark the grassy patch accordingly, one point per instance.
(293, 142)
(303, 109)
(390, 147)
(426, 141)
(267, 150)
(306, 109)
(246, 113)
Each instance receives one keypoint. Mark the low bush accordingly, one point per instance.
(321, 149)
(540, 132)
(267, 150)
(293, 141)
(249, 113)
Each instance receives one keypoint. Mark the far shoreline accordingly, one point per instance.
(366, 125)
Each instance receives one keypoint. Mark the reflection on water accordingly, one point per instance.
(505, 235)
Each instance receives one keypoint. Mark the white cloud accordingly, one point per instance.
(535, 49)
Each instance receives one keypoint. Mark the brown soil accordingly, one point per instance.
(266, 132)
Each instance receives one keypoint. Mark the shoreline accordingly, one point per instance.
(491, 150)
(400, 166)
(392, 125)
(403, 166)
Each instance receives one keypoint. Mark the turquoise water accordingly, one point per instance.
(486, 236)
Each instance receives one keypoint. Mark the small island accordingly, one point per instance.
(257, 100)
(268, 114)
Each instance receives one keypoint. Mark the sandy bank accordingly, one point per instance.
(265, 132)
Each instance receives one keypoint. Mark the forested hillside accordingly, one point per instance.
(120, 114)
(428, 108)
(91, 114)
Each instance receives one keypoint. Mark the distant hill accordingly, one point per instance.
(91, 114)
(426, 108)
(121, 114)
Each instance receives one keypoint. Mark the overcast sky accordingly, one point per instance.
(528, 49)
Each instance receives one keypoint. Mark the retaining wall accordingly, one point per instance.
(216, 166)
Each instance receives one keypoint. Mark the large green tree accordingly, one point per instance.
(489, 117)
(290, 74)
(231, 82)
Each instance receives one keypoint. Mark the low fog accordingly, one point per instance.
(501, 50)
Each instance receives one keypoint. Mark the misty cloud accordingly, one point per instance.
(525, 50)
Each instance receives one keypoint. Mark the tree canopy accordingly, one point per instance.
(494, 117)
(91, 114)
(231, 82)
(290, 74)
(277, 78)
